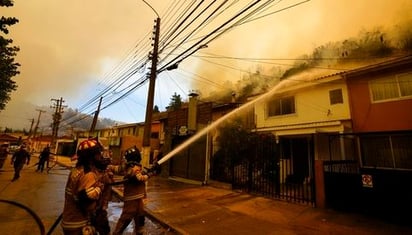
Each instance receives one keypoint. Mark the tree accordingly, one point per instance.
(175, 102)
(8, 66)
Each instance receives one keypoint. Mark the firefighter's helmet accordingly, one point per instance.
(88, 149)
(132, 155)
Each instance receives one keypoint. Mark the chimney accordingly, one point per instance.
(192, 115)
(233, 97)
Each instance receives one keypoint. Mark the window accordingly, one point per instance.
(335, 96)
(405, 84)
(154, 135)
(391, 87)
(390, 151)
(281, 106)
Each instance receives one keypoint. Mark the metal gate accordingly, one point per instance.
(375, 177)
(263, 168)
(342, 184)
(190, 162)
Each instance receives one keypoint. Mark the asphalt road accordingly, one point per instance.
(36, 200)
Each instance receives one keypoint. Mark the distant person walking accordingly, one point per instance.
(44, 157)
(19, 158)
(3, 154)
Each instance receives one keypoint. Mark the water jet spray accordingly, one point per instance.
(220, 121)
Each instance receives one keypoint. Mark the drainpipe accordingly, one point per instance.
(207, 162)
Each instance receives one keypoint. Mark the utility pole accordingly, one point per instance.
(96, 116)
(31, 127)
(38, 121)
(150, 98)
(35, 128)
(57, 115)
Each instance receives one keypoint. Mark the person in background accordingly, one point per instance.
(4, 151)
(19, 158)
(44, 156)
(134, 190)
(84, 190)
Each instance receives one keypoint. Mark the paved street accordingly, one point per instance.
(43, 194)
(186, 208)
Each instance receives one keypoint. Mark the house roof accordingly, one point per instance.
(8, 138)
(387, 64)
(314, 76)
(43, 138)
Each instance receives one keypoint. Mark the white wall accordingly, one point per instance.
(312, 105)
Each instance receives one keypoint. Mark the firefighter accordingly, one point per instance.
(134, 191)
(83, 190)
(44, 157)
(101, 220)
(19, 158)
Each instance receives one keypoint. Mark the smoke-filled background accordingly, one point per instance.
(67, 48)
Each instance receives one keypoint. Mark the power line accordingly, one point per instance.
(119, 88)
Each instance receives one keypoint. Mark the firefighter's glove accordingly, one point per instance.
(153, 170)
(110, 174)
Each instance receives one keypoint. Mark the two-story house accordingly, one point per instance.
(347, 134)
(301, 113)
(381, 111)
(121, 137)
(192, 162)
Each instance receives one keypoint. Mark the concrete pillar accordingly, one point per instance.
(320, 184)
(145, 156)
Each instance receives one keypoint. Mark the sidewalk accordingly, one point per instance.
(204, 210)
(195, 209)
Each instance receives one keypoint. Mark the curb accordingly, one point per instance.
(164, 223)
(119, 194)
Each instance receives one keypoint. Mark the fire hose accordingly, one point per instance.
(57, 221)
(155, 169)
(30, 211)
(37, 218)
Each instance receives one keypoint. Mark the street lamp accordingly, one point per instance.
(151, 8)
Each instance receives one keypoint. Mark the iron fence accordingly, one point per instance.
(259, 170)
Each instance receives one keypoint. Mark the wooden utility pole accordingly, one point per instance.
(57, 115)
(31, 127)
(96, 116)
(30, 137)
(38, 121)
(150, 97)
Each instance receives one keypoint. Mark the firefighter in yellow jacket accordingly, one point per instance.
(134, 191)
(83, 189)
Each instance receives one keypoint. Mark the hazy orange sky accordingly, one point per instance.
(67, 47)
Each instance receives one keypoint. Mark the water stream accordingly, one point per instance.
(221, 120)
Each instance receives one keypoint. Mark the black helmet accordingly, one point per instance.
(132, 156)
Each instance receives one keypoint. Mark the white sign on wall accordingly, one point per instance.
(367, 181)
